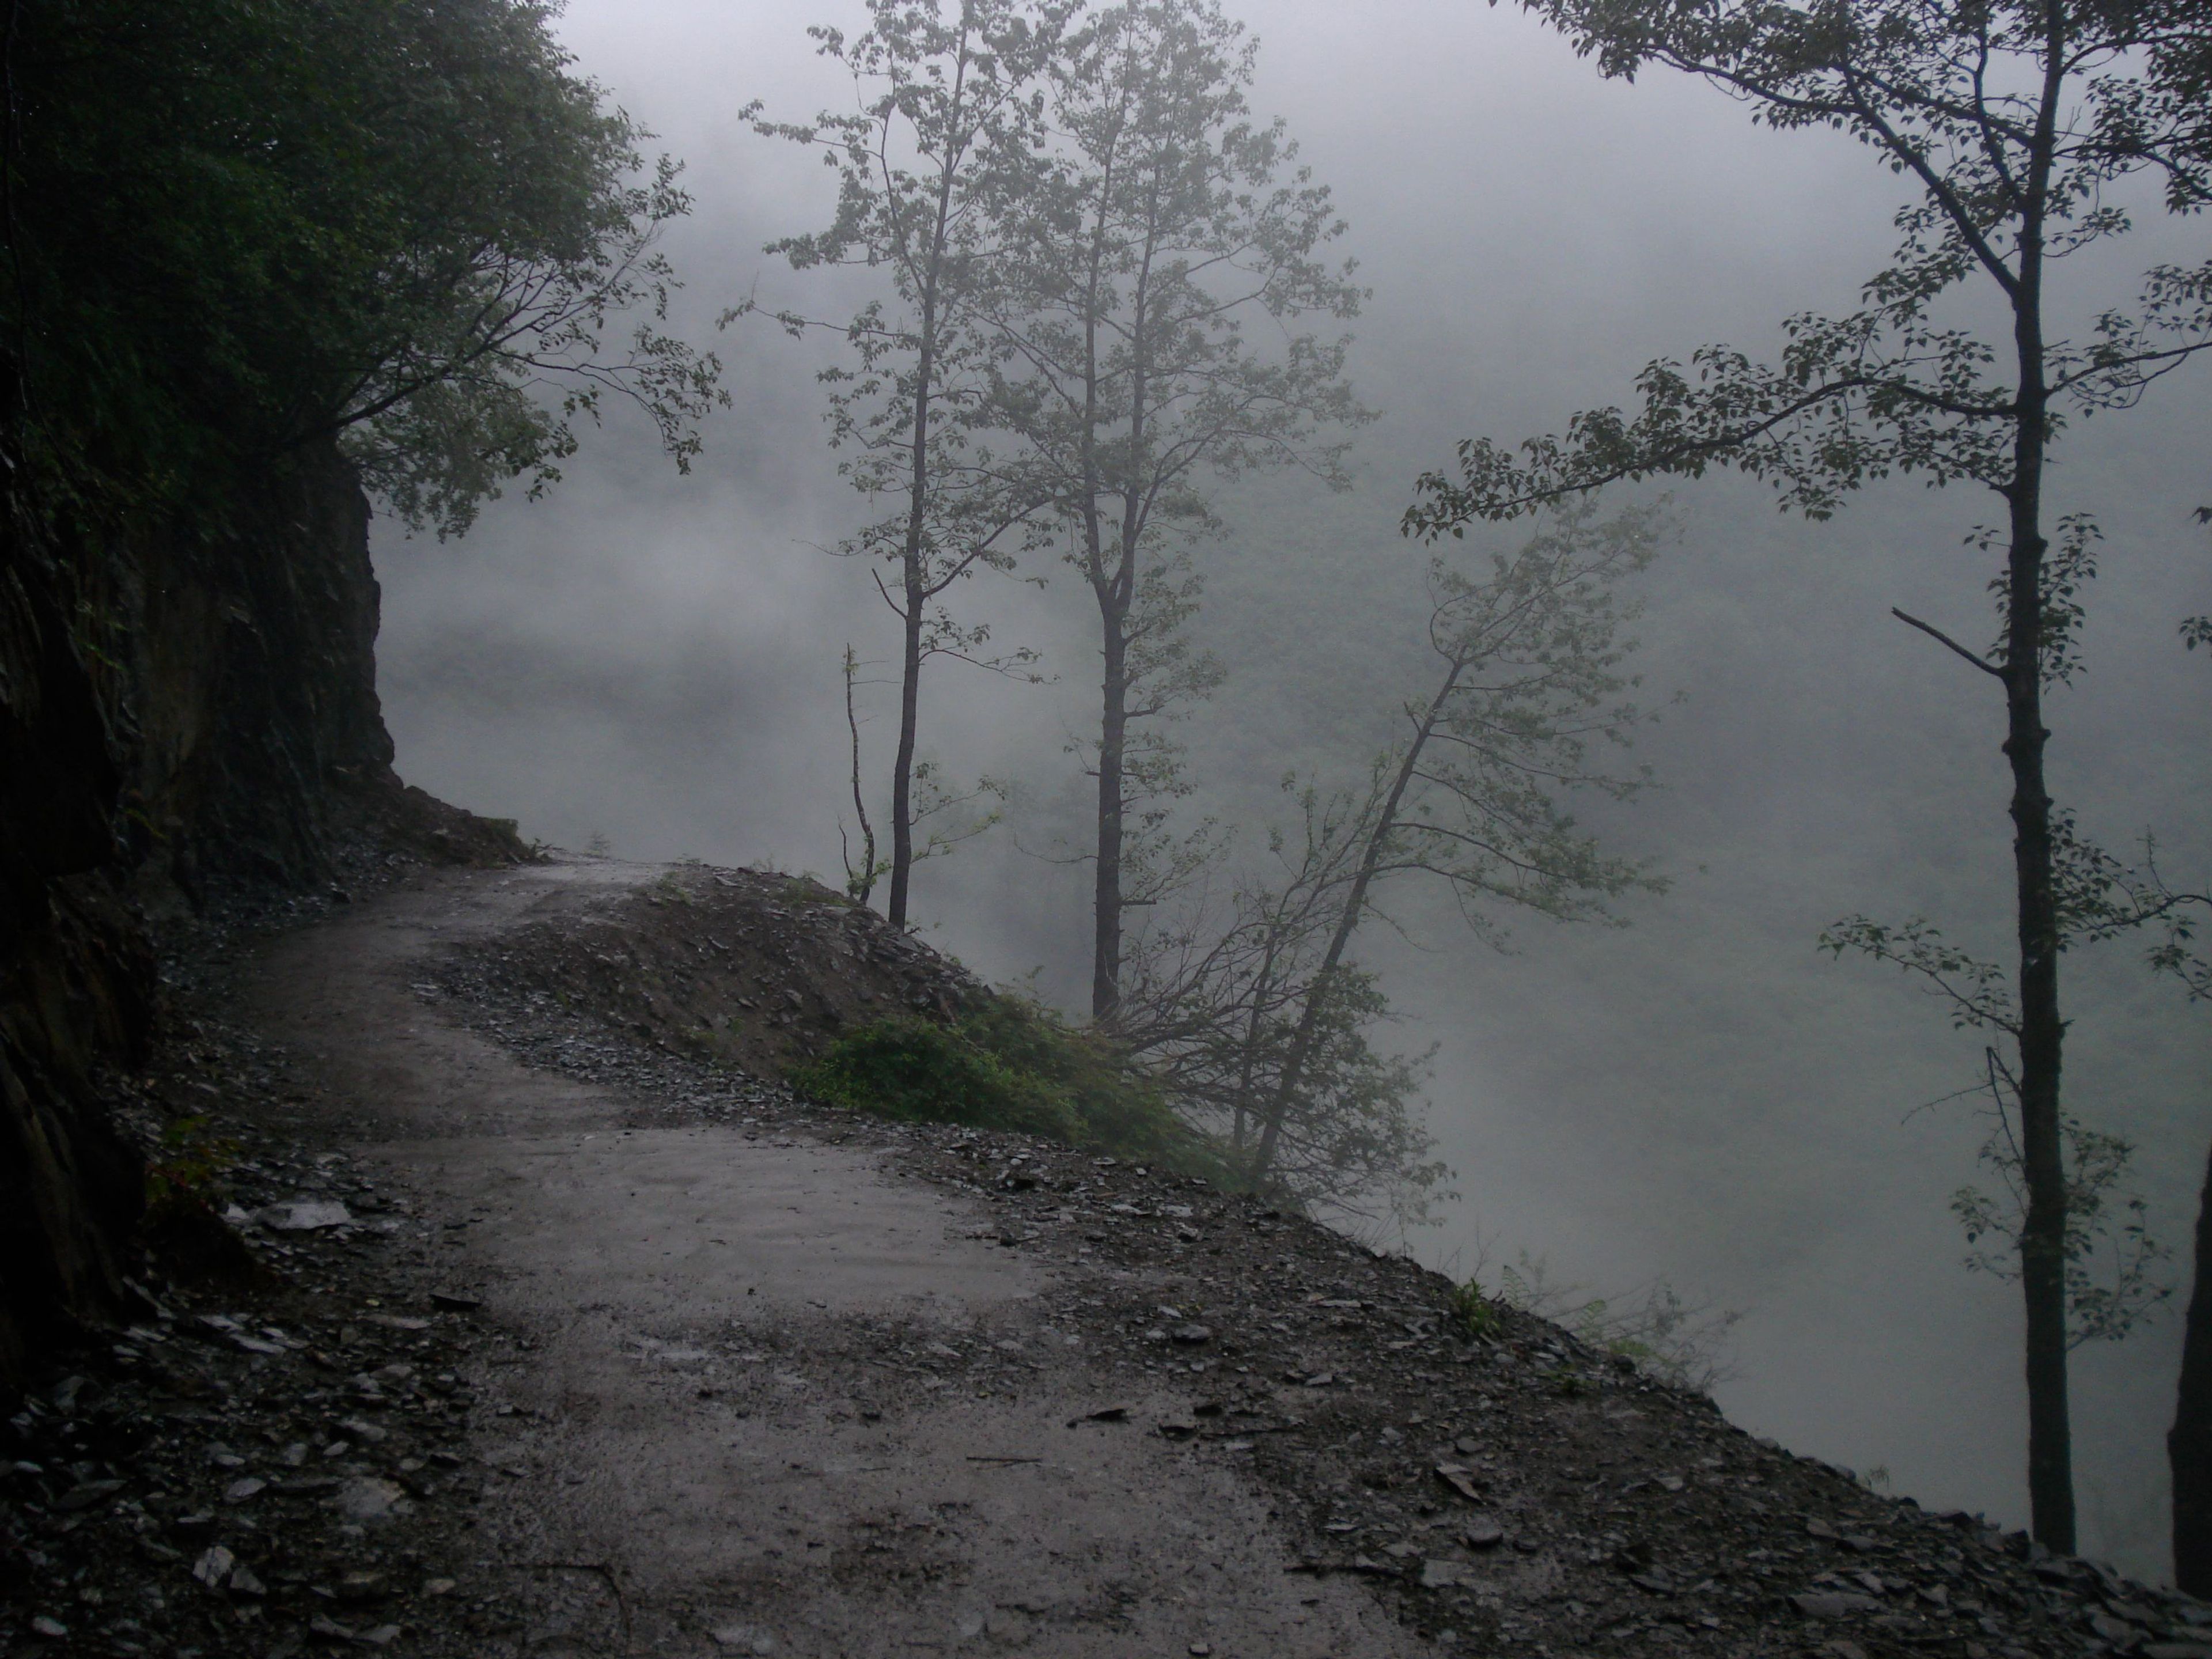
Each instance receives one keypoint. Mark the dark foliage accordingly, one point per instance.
(238, 227)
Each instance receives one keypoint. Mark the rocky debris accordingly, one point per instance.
(161, 1505)
(224, 1473)
(745, 968)
(304, 1215)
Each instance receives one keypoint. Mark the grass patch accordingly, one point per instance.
(1013, 1065)
(185, 1171)
(811, 888)
(1476, 1315)
(915, 1071)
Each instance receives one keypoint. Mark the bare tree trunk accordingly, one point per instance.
(2042, 1032)
(912, 577)
(914, 551)
(2189, 1445)
(1113, 737)
(1114, 645)
(861, 883)
(1117, 597)
(901, 871)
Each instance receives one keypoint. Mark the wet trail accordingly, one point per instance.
(708, 1397)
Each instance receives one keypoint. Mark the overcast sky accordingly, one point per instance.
(1702, 1096)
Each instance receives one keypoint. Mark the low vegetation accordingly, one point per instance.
(1009, 1065)
(1651, 1329)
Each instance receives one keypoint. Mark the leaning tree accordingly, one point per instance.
(2023, 126)
(1260, 1022)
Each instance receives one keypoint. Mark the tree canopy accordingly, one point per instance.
(2016, 124)
(239, 226)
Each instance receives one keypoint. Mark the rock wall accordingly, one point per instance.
(188, 712)
(255, 673)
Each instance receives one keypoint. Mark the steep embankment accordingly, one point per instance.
(743, 967)
(614, 1348)
(188, 724)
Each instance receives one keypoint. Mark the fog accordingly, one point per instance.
(1702, 1096)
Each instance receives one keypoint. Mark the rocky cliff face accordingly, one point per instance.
(255, 680)
(188, 712)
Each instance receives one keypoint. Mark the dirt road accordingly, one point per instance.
(714, 1397)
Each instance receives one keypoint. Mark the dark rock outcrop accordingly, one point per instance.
(188, 714)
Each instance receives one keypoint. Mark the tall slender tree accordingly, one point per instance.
(1529, 680)
(944, 134)
(2018, 123)
(1168, 221)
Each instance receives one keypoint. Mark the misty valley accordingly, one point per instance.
(1180, 826)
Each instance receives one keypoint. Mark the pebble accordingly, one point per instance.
(1833, 1604)
(304, 1215)
(214, 1566)
(1461, 1481)
(370, 1499)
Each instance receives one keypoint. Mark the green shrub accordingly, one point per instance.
(1117, 1108)
(1009, 1064)
(911, 1069)
(1477, 1315)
